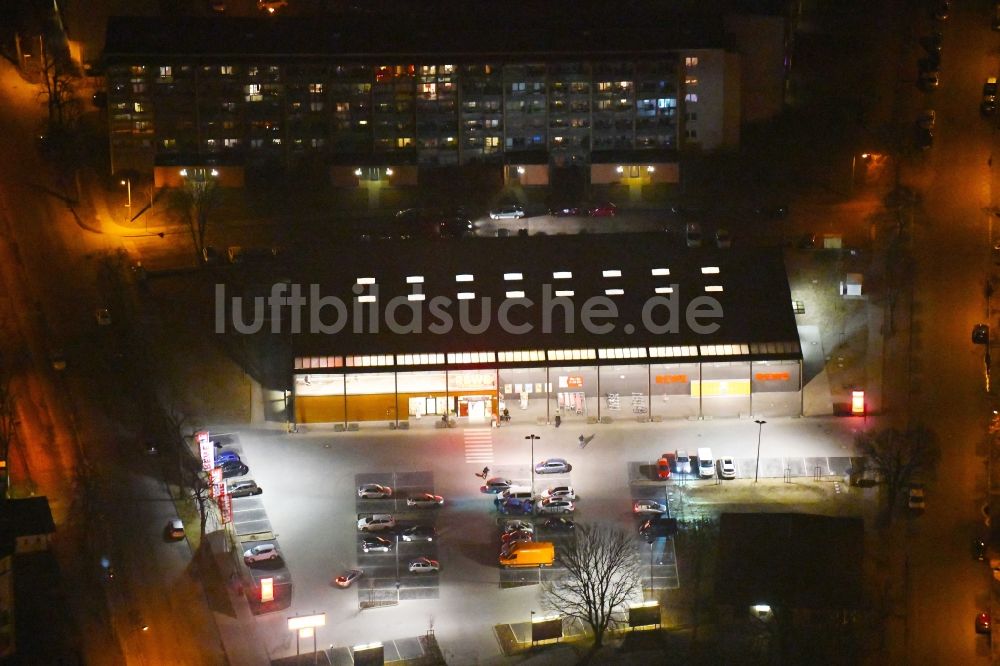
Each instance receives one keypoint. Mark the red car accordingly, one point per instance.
(983, 623)
(663, 468)
(606, 209)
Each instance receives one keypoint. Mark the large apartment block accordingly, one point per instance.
(272, 93)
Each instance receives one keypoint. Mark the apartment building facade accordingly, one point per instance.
(253, 93)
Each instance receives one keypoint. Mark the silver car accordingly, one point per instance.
(553, 466)
(509, 212)
(374, 491)
(555, 506)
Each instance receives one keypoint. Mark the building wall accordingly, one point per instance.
(709, 100)
(435, 114)
(630, 391)
(761, 44)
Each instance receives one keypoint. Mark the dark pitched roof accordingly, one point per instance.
(28, 516)
(756, 301)
(790, 560)
(457, 38)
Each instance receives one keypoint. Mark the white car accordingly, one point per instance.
(561, 492)
(647, 506)
(424, 565)
(376, 523)
(262, 553)
(102, 316)
(683, 462)
(554, 505)
(727, 468)
(511, 212)
(425, 500)
(518, 526)
(374, 491)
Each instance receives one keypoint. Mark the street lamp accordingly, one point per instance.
(760, 430)
(128, 184)
(532, 438)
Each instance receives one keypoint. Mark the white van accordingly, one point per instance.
(517, 492)
(706, 463)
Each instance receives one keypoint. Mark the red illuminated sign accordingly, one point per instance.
(574, 381)
(267, 589)
(215, 478)
(857, 402)
(205, 449)
(670, 379)
(771, 376)
(226, 506)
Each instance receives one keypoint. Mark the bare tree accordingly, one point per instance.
(900, 457)
(59, 76)
(194, 202)
(602, 573)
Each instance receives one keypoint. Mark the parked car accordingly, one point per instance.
(606, 209)
(515, 507)
(723, 240)
(226, 456)
(915, 498)
(555, 505)
(983, 623)
(562, 492)
(264, 552)
(692, 234)
(981, 334)
(495, 485)
(425, 501)
(374, 544)
(507, 212)
(424, 565)
(566, 211)
(657, 527)
(243, 489)
(683, 462)
(374, 491)
(645, 506)
(377, 523)
(516, 525)
(553, 466)
(174, 530)
(103, 317)
(930, 79)
(727, 468)
(517, 535)
(663, 467)
(559, 524)
(233, 468)
(989, 102)
(345, 579)
(419, 533)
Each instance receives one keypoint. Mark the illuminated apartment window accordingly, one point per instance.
(366, 299)
(690, 81)
(515, 294)
(342, 107)
(564, 293)
(713, 287)
(166, 72)
(463, 277)
(169, 144)
(137, 70)
(614, 292)
(316, 88)
(226, 70)
(404, 142)
(664, 290)
(660, 271)
(416, 297)
(253, 92)
(691, 61)
(492, 142)
(612, 273)
(513, 276)
(414, 279)
(231, 143)
(316, 106)
(691, 97)
(709, 270)
(562, 275)
(604, 86)
(466, 295)
(366, 280)
(317, 142)
(139, 107)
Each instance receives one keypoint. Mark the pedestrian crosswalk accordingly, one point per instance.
(478, 445)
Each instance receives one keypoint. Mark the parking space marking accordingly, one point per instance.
(478, 445)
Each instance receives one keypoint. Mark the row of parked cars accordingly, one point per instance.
(514, 211)
(707, 465)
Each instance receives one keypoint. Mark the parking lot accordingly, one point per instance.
(311, 480)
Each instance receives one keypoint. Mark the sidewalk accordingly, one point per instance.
(237, 628)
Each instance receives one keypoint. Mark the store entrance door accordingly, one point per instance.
(475, 407)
